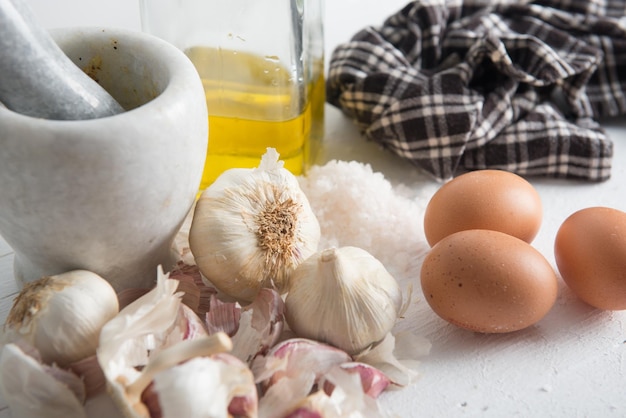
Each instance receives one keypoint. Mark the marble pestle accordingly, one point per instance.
(37, 79)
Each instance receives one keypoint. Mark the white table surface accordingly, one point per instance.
(571, 364)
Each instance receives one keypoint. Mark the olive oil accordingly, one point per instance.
(256, 102)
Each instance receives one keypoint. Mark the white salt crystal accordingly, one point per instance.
(359, 207)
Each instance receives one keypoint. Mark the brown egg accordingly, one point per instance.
(488, 281)
(484, 199)
(590, 253)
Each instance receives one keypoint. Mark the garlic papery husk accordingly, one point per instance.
(134, 394)
(286, 399)
(344, 297)
(254, 328)
(251, 228)
(132, 343)
(397, 356)
(307, 376)
(34, 390)
(61, 316)
(198, 293)
(373, 381)
(294, 358)
(90, 372)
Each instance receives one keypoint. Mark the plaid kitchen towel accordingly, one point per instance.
(517, 85)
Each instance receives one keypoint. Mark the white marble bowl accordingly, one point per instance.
(108, 194)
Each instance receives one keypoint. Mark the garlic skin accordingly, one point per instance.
(145, 325)
(344, 297)
(397, 356)
(294, 358)
(206, 387)
(293, 397)
(253, 329)
(35, 390)
(347, 400)
(61, 316)
(152, 334)
(251, 228)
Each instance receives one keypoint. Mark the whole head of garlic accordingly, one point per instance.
(251, 228)
(344, 297)
(61, 316)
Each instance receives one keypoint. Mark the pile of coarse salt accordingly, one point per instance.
(356, 206)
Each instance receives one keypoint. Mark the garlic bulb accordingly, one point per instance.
(217, 386)
(344, 297)
(61, 316)
(251, 228)
(135, 397)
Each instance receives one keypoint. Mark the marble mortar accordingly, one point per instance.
(108, 194)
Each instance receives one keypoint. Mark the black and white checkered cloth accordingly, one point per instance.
(517, 85)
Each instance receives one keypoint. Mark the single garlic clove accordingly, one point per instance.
(251, 228)
(62, 315)
(344, 297)
(34, 390)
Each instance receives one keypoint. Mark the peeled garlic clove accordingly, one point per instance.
(251, 228)
(344, 297)
(62, 315)
(35, 390)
